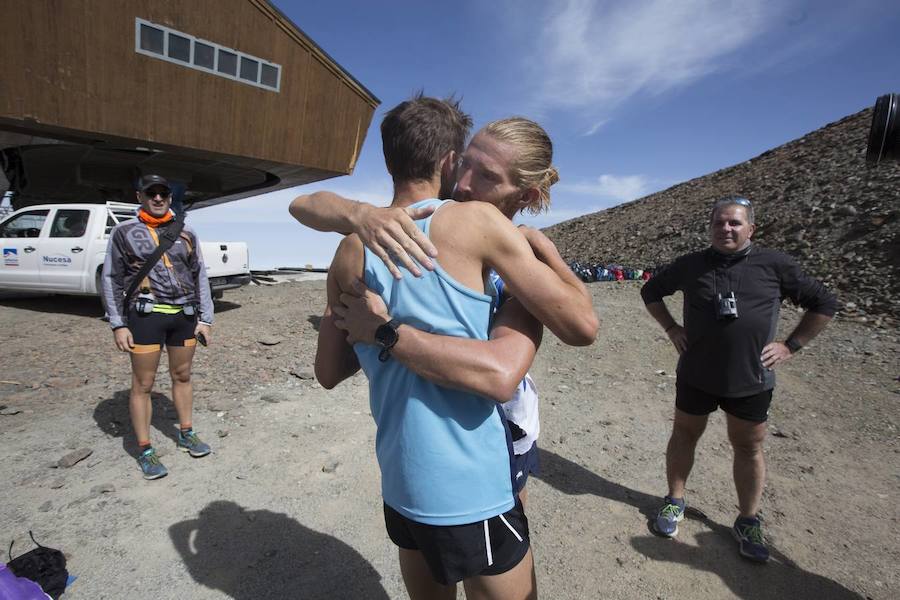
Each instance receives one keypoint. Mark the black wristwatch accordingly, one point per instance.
(386, 337)
(793, 345)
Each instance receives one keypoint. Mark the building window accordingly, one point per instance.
(227, 62)
(204, 55)
(151, 39)
(181, 48)
(249, 69)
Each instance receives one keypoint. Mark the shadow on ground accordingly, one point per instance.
(223, 306)
(251, 554)
(716, 550)
(81, 306)
(573, 479)
(113, 418)
(315, 321)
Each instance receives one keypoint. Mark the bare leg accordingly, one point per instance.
(686, 432)
(523, 496)
(143, 373)
(180, 359)
(420, 585)
(749, 462)
(519, 583)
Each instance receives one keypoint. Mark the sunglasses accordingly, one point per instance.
(165, 195)
(733, 200)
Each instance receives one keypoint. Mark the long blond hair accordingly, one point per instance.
(534, 157)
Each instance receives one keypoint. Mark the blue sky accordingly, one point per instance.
(637, 96)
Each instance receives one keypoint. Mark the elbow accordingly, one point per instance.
(296, 206)
(585, 332)
(502, 384)
(327, 378)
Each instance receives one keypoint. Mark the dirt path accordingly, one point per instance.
(288, 505)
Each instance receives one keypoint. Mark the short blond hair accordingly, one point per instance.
(533, 167)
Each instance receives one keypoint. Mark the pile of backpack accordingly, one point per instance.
(611, 272)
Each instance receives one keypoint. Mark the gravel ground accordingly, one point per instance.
(288, 505)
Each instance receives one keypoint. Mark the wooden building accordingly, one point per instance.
(228, 97)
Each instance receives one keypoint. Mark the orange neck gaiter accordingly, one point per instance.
(151, 221)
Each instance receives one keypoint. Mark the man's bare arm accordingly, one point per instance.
(558, 303)
(335, 358)
(388, 232)
(491, 368)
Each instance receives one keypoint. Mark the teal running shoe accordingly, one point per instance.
(150, 465)
(190, 443)
(748, 532)
(669, 516)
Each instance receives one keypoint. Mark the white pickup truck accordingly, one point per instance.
(60, 248)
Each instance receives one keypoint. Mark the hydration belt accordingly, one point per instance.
(173, 309)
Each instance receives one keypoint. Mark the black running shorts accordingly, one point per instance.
(457, 552)
(151, 331)
(697, 402)
(524, 465)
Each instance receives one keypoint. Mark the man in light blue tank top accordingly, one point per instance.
(508, 164)
(443, 453)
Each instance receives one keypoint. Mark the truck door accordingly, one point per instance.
(64, 250)
(19, 237)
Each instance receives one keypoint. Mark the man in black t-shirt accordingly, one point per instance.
(727, 354)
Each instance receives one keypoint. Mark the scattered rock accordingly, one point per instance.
(57, 483)
(46, 506)
(103, 488)
(303, 374)
(72, 458)
(330, 467)
(7, 411)
(273, 340)
(222, 433)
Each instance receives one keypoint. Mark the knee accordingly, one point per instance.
(751, 448)
(142, 385)
(181, 376)
(686, 435)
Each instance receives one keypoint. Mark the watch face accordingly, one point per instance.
(385, 336)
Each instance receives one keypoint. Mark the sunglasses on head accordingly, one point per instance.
(735, 200)
(164, 194)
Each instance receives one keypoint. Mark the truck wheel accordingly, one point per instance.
(216, 294)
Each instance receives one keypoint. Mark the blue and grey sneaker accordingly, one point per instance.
(189, 442)
(748, 532)
(150, 465)
(668, 517)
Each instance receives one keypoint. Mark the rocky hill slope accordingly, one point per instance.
(815, 198)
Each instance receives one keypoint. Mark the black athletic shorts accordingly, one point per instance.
(697, 402)
(524, 465)
(457, 552)
(151, 331)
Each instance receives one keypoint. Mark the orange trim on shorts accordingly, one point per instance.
(190, 342)
(146, 348)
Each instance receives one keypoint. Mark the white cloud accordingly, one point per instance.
(621, 188)
(595, 54)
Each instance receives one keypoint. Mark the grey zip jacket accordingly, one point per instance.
(179, 277)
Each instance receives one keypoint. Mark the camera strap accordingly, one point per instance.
(167, 238)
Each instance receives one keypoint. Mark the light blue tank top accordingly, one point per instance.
(444, 454)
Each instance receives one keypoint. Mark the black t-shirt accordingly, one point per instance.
(722, 355)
